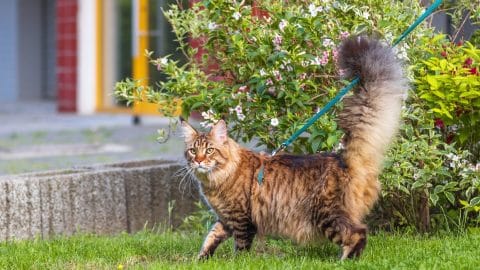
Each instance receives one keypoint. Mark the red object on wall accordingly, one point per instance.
(66, 62)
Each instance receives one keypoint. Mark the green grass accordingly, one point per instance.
(178, 251)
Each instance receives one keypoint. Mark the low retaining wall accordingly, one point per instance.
(103, 199)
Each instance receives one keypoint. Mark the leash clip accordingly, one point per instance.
(281, 148)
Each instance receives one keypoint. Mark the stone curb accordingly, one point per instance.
(103, 199)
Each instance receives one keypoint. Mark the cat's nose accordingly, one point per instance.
(199, 158)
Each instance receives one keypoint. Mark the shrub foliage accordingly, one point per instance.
(266, 67)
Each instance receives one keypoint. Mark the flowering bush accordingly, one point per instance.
(266, 68)
(427, 183)
(448, 81)
(267, 74)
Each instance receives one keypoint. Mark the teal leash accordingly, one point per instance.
(344, 90)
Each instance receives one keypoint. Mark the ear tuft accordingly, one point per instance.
(188, 132)
(219, 132)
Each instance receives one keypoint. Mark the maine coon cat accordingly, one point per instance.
(310, 197)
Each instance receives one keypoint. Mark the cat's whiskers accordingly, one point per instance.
(187, 181)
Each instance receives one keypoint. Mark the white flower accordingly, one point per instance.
(366, 15)
(164, 61)
(212, 26)
(314, 10)
(262, 72)
(282, 25)
(206, 124)
(240, 116)
(238, 109)
(277, 75)
(339, 147)
(237, 15)
(209, 116)
(328, 42)
(274, 122)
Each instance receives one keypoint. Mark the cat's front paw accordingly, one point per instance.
(203, 255)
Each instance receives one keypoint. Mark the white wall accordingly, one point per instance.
(86, 67)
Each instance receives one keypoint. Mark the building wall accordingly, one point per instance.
(66, 41)
(8, 51)
(50, 91)
(30, 56)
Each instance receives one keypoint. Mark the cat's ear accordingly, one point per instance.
(219, 132)
(188, 132)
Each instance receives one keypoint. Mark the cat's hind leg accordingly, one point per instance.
(351, 237)
(215, 237)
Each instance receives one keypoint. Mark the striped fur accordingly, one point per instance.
(305, 198)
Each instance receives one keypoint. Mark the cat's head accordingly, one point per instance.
(206, 152)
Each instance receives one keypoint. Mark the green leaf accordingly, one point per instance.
(432, 82)
(475, 201)
(434, 198)
(450, 197)
(331, 140)
(315, 144)
(418, 184)
(443, 64)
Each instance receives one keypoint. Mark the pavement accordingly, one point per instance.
(34, 137)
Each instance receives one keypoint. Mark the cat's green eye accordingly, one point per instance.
(192, 151)
(210, 151)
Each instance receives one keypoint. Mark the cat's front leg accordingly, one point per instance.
(243, 235)
(215, 237)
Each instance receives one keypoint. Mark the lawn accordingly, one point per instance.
(178, 250)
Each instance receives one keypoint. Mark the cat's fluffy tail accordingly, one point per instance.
(370, 116)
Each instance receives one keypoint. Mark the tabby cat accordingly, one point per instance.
(305, 197)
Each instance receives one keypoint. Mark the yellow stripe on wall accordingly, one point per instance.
(99, 56)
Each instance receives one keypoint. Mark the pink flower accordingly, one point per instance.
(282, 25)
(474, 71)
(243, 88)
(271, 90)
(468, 62)
(277, 41)
(439, 123)
(269, 82)
(324, 59)
(277, 75)
(238, 109)
(335, 55)
(344, 35)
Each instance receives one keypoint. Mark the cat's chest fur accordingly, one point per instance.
(230, 201)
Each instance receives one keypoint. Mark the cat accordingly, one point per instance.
(305, 197)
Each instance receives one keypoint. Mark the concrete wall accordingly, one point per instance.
(105, 200)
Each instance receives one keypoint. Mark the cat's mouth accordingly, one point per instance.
(201, 168)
